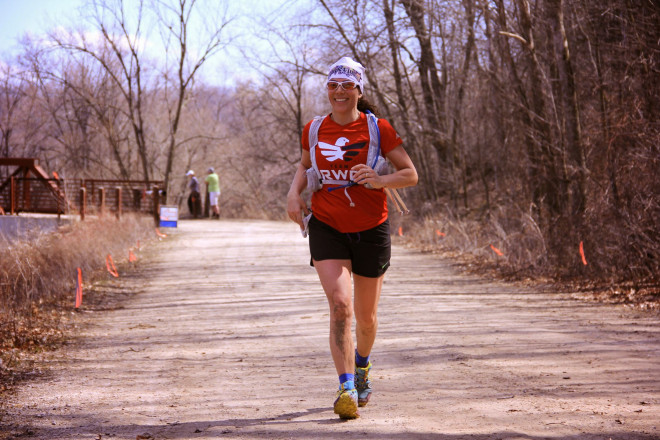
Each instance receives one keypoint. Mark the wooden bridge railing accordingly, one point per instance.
(80, 196)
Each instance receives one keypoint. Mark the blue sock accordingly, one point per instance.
(348, 380)
(361, 361)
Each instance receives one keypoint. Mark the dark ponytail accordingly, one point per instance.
(363, 105)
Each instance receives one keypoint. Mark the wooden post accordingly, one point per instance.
(118, 202)
(12, 195)
(57, 199)
(137, 199)
(101, 201)
(83, 202)
(156, 202)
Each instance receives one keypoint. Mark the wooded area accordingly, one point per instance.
(536, 120)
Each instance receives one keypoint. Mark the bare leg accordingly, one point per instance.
(367, 295)
(335, 276)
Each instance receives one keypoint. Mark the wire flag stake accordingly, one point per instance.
(79, 292)
(584, 260)
(111, 266)
(496, 250)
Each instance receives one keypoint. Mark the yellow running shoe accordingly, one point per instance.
(346, 404)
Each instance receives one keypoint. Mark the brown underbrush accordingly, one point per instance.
(511, 247)
(38, 280)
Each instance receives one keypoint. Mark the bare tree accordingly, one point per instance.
(176, 30)
(11, 89)
(568, 97)
(433, 91)
(401, 78)
(120, 54)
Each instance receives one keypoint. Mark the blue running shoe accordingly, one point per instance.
(346, 404)
(363, 384)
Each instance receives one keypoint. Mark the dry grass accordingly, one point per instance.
(524, 256)
(38, 280)
(517, 237)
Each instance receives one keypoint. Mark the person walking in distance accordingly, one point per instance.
(213, 188)
(194, 198)
(349, 232)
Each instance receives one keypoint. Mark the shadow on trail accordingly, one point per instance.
(286, 425)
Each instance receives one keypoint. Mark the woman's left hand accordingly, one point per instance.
(363, 174)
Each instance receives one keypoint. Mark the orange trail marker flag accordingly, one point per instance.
(400, 231)
(439, 234)
(131, 256)
(496, 250)
(584, 260)
(79, 292)
(108, 264)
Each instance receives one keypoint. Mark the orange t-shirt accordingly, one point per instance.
(333, 207)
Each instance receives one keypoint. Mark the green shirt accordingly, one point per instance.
(213, 182)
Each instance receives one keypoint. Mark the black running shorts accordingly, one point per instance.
(369, 251)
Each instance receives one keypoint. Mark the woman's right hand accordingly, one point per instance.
(295, 207)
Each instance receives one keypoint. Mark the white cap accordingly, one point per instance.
(190, 173)
(346, 67)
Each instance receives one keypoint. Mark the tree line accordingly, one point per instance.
(537, 120)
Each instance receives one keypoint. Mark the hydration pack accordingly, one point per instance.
(374, 159)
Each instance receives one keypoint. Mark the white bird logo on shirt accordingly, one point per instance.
(337, 151)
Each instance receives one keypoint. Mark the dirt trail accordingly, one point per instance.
(226, 338)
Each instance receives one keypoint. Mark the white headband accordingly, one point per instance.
(347, 68)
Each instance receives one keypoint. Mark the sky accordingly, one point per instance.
(20, 16)
(38, 16)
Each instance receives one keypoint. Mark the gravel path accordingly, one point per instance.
(224, 336)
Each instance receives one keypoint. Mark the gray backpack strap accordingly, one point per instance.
(375, 160)
(313, 175)
(374, 140)
(313, 180)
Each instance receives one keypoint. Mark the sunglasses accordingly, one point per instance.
(346, 85)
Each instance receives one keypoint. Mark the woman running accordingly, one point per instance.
(349, 233)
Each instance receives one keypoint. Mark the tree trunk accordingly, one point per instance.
(458, 157)
(575, 172)
(429, 186)
(548, 189)
(428, 75)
